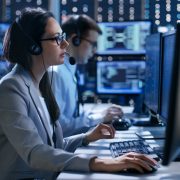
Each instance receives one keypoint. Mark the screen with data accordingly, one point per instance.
(120, 77)
(123, 37)
(152, 73)
(166, 73)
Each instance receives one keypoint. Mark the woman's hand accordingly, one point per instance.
(101, 131)
(127, 161)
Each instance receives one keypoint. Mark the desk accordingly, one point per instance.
(101, 148)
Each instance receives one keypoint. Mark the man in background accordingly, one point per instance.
(82, 33)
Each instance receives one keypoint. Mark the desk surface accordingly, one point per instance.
(164, 173)
(101, 148)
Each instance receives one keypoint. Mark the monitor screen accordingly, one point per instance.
(3, 29)
(123, 37)
(172, 142)
(120, 77)
(166, 71)
(152, 73)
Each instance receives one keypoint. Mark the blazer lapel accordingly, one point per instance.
(39, 108)
(36, 100)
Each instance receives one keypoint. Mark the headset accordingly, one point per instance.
(32, 46)
(76, 40)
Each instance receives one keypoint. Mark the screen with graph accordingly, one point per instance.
(123, 37)
(120, 77)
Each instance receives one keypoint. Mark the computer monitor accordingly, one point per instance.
(152, 79)
(120, 77)
(3, 29)
(124, 38)
(168, 41)
(172, 142)
(152, 73)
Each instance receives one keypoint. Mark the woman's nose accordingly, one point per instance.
(64, 44)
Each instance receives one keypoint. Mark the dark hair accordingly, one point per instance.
(30, 26)
(80, 25)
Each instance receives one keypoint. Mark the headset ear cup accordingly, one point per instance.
(35, 49)
(76, 41)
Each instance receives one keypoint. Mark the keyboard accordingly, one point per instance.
(139, 146)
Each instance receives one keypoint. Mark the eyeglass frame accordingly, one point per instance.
(93, 44)
(59, 39)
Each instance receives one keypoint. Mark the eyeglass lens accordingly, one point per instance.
(60, 38)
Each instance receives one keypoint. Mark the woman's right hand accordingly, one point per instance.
(101, 131)
(127, 161)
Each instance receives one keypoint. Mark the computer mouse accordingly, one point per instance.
(121, 124)
(134, 171)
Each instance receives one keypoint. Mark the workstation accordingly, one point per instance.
(135, 65)
(101, 148)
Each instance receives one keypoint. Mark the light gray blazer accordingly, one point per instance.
(25, 143)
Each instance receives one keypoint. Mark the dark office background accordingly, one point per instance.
(163, 14)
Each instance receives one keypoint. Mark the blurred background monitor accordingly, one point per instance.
(168, 41)
(4, 65)
(123, 37)
(120, 77)
(172, 142)
(3, 29)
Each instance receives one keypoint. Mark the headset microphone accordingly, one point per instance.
(72, 60)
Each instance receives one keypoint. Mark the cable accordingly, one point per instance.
(150, 138)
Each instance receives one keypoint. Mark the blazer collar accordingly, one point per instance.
(35, 97)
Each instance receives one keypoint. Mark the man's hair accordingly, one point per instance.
(79, 25)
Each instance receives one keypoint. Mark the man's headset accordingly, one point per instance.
(76, 40)
(33, 47)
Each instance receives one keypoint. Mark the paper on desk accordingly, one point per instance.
(96, 108)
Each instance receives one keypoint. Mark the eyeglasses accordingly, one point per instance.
(93, 44)
(59, 39)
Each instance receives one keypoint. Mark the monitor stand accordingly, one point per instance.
(153, 121)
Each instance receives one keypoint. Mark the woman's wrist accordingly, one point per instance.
(102, 165)
(85, 141)
(97, 164)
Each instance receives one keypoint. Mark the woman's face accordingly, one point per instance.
(53, 48)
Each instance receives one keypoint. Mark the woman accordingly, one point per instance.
(30, 136)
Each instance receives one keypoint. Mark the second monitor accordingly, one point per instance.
(120, 77)
(123, 37)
